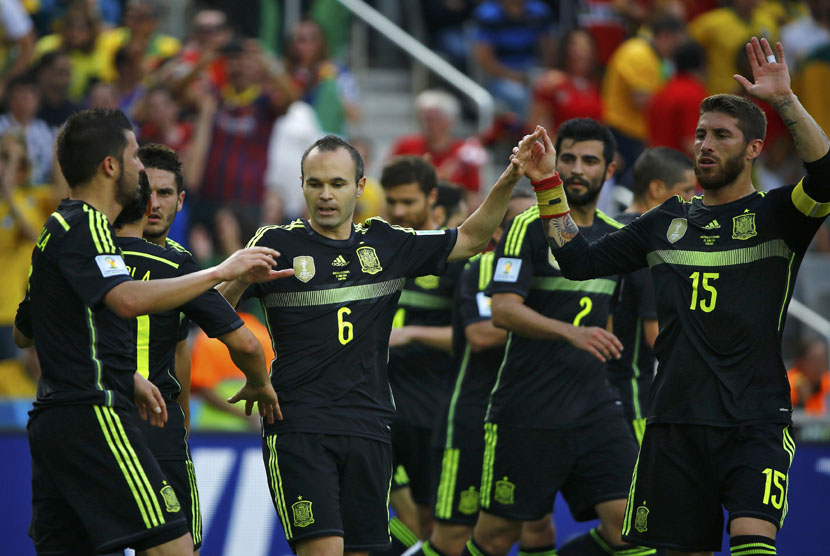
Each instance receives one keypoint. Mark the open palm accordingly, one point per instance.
(771, 77)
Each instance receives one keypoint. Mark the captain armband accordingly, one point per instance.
(550, 197)
(806, 205)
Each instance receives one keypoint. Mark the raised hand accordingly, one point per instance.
(536, 155)
(149, 401)
(769, 71)
(254, 264)
(265, 398)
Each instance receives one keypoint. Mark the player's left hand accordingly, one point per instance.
(149, 401)
(536, 155)
(770, 73)
(399, 337)
(265, 398)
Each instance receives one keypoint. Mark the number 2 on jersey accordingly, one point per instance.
(702, 280)
(586, 305)
(345, 330)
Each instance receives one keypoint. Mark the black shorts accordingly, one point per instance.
(182, 478)
(96, 487)
(330, 485)
(411, 451)
(523, 468)
(456, 469)
(685, 474)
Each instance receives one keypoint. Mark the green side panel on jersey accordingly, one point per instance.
(518, 231)
(333, 296)
(485, 270)
(422, 300)
(142, 345)
(602, 286)
(731, 257)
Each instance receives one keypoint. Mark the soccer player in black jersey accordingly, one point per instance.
(158, 336)
(329, 460)
(718, 430)
(96, 487)
(458, 446)
(554, 422)
(659, 173)
(420, 364)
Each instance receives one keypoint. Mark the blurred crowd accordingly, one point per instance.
(239, 100)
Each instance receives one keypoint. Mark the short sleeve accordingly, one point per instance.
(210, 311)
(425, 251)
(90, 260)
(513, 268)
(23, 318)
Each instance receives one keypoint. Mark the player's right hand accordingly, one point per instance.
(149, 401)
(597, 341)
(265, 398)
(254, 264)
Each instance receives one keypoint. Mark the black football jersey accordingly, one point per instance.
(550, 384)
(330, 322)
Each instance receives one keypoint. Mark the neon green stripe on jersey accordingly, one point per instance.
(333, 296)
(93, 229)
(154, 257)
(518, 230)
(608, 220)
(276, 485)
(602, 286)
(731, 257)
(64, 224)
(142, 345)
(424, 300)
(806, 205)
(786, 291)
(485, 270)
(195, 508)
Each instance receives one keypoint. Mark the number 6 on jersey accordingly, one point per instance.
(345, 330)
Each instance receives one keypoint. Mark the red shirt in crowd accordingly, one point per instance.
(460, 163)
(673, 113)
(571, 98)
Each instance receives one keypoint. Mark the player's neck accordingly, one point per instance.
(738, 189)
(638, 206)
(583, 216)
(100, 197)
(158, 240)
(130, 230)
(341, 232)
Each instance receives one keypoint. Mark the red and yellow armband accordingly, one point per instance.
(550, 197)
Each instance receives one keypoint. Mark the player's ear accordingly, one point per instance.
(110, 166)
(432, 197)
(753, 149)
(609, 171)
(180, 202)
(361, 185)
(657, 189)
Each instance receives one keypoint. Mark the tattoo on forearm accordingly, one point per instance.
(561, 230)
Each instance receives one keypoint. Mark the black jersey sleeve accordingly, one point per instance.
(91, 262)
(642, 286)
(619, 252)
(514, 262)
(426, 252)
(210, 311)
(802, 208)
(23, 318)
(817, 180)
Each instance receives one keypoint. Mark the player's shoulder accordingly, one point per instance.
(607, 222)
(176, 246)
(517, 231)
(80, 224)
(266, 234)
(376, 224)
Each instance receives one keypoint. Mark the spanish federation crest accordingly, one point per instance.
(303, 516)
(171, 503)
(468, 502)
(641, 520)
(677, 229)
(304, 268)
(743, 226)
(505, 491)
(369, 262)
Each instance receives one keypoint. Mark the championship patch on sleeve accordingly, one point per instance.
(484, 305)
(430, 232)
(111, 265)
(507, 270)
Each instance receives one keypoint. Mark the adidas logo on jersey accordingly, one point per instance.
(713, 225)
(339, 261)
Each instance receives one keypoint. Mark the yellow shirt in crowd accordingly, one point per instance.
(633, 68)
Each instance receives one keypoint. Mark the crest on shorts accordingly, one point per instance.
(743, 226)
(303, 516)
(468, 502)
(304, 268)
(641, 520)
(171, 503)
(505, 491)
(369, 262)
(677, 229)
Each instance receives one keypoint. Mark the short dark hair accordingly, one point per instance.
(689, 56)
(751, 119)
(50, 58)
(450, 196)
(659, 163)
(331, 143)
(87, 138)
(586, 129)
(136, 210)
(409, 169)
(162, 157)
(666, 23)
(26, 79)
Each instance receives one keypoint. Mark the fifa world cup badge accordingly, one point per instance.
(304, 268)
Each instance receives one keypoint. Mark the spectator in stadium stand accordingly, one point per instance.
(723, 32)
(444, 21)
(513, 38)
(571, 90)
(807, 33)
(226, 166)
(54, 74)
(77, 33)
(129, 80)
(673, 111)
(200, 55)
(328, 86)
(22, 103)
(456, 160)
(635, 72)
(159, 113)
(17, 41)
(810, 379)
(811, 79)
(140, 33)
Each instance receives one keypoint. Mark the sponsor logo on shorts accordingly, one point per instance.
(303, 516)
(505, 492)
(171, 503)
(641, 520)
(468, 502)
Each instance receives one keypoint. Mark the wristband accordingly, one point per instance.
(550, 197)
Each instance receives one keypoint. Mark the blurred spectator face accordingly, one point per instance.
(434, 123)
(14, 142)
(307, 44)
(242, 70)
(666, 43)
(162, 110)
(103, 95)
(210, 29)
(583, 169)
(720, 150)
(77, 31)
(165, 202)
(141, 18)
(814, 361)
(580, 54)
(329, 188)
(745, 5)
(57, 76)
(24, 102)
(513, 8)
(408, 206)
